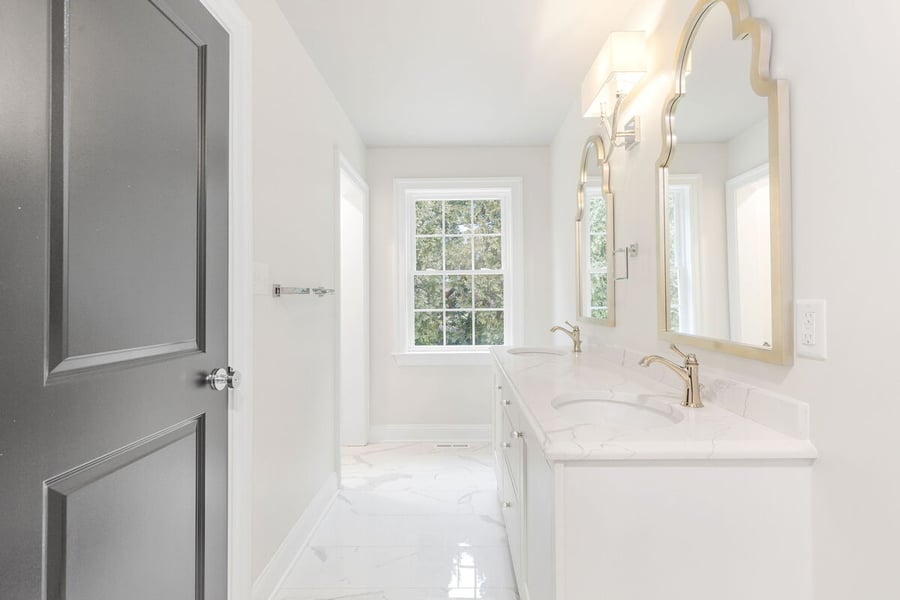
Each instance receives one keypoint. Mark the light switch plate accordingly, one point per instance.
(810, 325)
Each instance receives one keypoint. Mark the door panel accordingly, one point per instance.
(127, 190)
(113, 299)
(105, 529)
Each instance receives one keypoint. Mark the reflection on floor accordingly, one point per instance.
(413, 522)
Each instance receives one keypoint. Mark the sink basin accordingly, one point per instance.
(550, 351)
(628, 411)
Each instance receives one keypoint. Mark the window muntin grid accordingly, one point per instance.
(459, 275)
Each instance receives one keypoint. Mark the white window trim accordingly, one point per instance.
(405, 192)
(593, 185)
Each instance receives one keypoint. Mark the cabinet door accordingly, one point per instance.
(513, 519)
(539, 552)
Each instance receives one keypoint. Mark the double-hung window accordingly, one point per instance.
(595, 247)
(457, 278)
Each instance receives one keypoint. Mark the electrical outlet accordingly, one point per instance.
(811, 329)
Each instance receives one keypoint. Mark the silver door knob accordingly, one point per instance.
(222, 378)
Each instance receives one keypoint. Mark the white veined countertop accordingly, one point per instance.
(708, 433)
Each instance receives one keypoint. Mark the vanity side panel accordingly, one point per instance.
(687, 531)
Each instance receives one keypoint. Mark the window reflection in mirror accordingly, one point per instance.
(717, 201)
(594, 238)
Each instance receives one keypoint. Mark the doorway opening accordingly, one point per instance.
(353, 306)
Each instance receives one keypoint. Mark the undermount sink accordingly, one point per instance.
(635, 411)
(550, 351)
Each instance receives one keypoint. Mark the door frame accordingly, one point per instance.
(342, 164)
(240, 292)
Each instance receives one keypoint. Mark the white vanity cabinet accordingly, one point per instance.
(525, 481)
(608, 524)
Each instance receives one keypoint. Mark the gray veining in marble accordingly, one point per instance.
(715, 432)
(412, 522)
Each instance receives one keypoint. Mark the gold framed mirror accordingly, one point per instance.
(595, 237)
(724, 209)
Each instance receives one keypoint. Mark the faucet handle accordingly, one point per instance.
(677, 351)
(574, 327)
(688, 358)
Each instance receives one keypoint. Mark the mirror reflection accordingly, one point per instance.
(719, 262)
(594, 238)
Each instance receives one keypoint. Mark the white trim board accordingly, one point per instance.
(240, 291)
(430, 433)
(443, 359)
(270, 579)
(344, 167)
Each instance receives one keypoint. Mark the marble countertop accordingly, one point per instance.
(708, 433)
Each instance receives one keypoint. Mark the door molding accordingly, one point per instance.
(240, 292)
(343, 165)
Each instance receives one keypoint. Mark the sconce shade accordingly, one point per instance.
(619, 66)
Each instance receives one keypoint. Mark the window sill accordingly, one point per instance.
(478, 358)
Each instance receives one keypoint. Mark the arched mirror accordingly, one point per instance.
(724, 239)
(594, 240)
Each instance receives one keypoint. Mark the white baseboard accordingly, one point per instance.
(269, 581)
(430, 433)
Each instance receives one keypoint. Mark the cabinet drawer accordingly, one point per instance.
(511, 450)
(506, 397)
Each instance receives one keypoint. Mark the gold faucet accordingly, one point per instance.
(689, 373)
(575, 334)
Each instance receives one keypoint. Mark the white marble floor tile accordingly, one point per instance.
(347, 528)
(380, 567)
(421, 502)
(405, 461)
(412, 522)
(394, 594)
(380, 479)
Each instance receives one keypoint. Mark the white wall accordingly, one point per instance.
(297, 124)
(457, 395)
(846, 217)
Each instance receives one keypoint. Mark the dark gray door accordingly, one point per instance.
(113, 287)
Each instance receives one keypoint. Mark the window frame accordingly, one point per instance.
(593, 188)
(406, 192)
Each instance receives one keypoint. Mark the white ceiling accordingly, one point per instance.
(455, 72)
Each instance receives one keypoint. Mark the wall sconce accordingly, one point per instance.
(619, 66)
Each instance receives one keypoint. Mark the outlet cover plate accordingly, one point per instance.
(810, 325)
